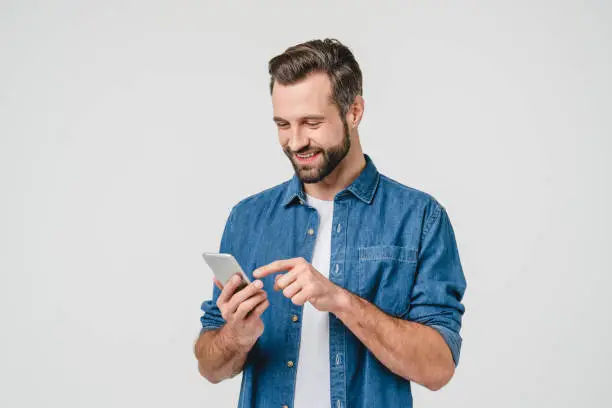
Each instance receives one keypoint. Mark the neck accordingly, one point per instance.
(342, 176)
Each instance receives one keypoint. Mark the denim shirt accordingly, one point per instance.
(391, 245)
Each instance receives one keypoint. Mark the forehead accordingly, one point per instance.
(311, 95)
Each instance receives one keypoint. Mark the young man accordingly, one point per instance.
(358, 275)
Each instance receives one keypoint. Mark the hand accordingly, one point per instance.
(242, 310)
(303, 283)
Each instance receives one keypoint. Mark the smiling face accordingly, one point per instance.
(311, 131)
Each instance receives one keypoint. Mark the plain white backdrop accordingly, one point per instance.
(129, 128)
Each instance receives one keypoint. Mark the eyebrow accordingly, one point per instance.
(307, 117)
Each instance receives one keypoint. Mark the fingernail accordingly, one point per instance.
(236, 279)
(256, 272)
(258, 284)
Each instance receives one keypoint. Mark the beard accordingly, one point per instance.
(330, 159)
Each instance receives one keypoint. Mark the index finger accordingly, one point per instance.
(276, 266)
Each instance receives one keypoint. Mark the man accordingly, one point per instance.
(358, 275)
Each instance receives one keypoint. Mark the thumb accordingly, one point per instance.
(276, 279)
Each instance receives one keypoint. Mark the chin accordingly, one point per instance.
(310, 178)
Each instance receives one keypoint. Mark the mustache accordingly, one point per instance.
(302, 151)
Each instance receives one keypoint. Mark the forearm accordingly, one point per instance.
(219, 357)
(414, 351)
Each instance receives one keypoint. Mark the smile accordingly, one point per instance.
(307, 157)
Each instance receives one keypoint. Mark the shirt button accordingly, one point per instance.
(338, 229)
(289, 363)
(337, 267)
(310, 231)
(294, 318)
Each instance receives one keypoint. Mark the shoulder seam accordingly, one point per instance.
(432, 218)
(406, 187)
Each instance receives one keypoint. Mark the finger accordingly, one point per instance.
(276, 266)
(300, 298)
(217, 283)
(249, 304)
(284, 280)
(256, 313)
(251, 289)
(292, 289)
(229, 288)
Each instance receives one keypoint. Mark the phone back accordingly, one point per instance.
(224, 266)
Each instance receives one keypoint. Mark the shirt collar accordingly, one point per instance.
(363, 187)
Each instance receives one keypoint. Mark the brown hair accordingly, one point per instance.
(329, 56)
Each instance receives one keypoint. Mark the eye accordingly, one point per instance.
(282, 125)
(313, 124)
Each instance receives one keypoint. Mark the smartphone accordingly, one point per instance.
(224, 266)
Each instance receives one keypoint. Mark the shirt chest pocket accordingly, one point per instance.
(386, 275)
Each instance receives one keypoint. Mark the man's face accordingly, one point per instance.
(310, 128)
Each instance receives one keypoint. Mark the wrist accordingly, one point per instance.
(344, 301)
(233, 342)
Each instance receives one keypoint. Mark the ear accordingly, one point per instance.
(355, 112)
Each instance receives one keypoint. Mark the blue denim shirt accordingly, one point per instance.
(391, 245)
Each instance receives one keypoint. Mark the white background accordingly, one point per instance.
(129, 128)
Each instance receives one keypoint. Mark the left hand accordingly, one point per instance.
(303, 283)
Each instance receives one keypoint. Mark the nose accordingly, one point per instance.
(297, 141)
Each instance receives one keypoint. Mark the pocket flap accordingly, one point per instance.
(393, 252)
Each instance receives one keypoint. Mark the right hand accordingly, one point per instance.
(242, 310)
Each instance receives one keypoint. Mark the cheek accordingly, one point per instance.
(327, 136)
(283, 137)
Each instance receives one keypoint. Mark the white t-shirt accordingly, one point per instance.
(312, 388)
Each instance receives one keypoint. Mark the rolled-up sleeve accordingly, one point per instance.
(440, 283)
(212, 319)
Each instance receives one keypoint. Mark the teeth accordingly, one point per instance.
(306, 156)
